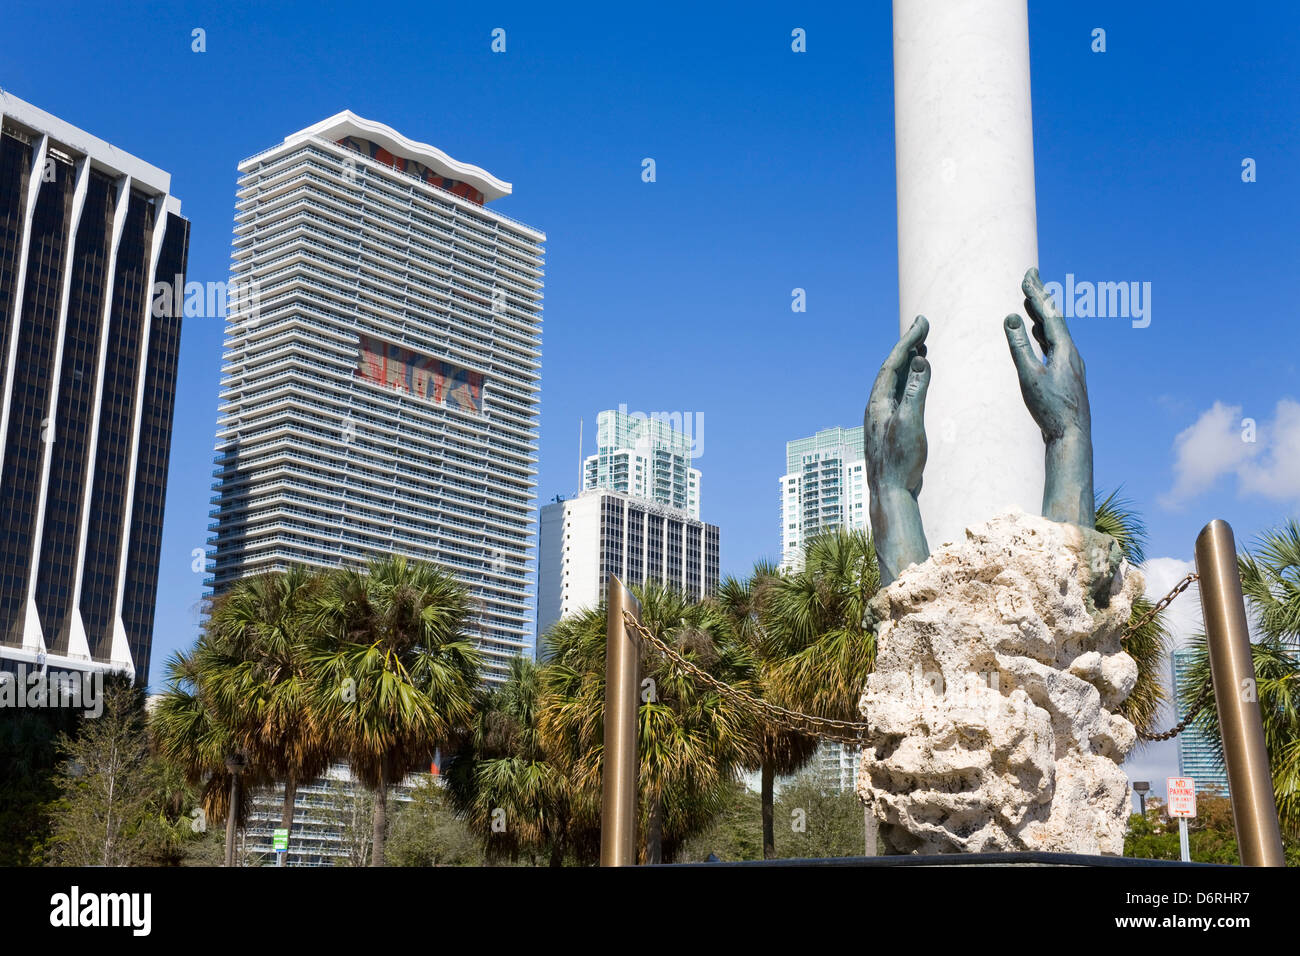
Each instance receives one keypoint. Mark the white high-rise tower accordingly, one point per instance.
(645, 456)
(824, 488)
(380, 386)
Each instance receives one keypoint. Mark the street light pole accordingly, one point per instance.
(1140, 787)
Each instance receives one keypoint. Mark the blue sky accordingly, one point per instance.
(775, 170)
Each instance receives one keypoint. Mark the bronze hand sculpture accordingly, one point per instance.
(1055, 392)
(894, 434)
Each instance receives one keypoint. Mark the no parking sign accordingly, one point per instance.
(1182, 796)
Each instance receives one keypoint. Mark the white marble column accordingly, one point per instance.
(966, 234)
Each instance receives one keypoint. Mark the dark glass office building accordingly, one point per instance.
(92, 245)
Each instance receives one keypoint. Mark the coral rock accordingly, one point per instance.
(992, 707)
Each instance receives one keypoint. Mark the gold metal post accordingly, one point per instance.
(1254, 813)
(619, 783)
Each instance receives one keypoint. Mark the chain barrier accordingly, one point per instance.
(852, 732)
(841, 731)
(1204, 696)
(1201, 700)
(1160, 605)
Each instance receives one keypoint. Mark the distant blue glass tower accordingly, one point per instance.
(1197, 756)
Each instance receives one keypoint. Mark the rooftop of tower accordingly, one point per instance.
(347, 125)
(24, 119)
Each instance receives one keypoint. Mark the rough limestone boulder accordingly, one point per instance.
(992, 707)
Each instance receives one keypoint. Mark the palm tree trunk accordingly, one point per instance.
(230, 819)
(558, 845)
(654, 837)
(286, 814)
(769, 823)
(381, 819)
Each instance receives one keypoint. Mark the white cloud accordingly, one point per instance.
(1265, 456)
(1276, 473)
(1183, 617)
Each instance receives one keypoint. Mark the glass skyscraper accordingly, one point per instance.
(638, 516)
(1197, 756)
(380, 384)
(824, 489)
(89, 235)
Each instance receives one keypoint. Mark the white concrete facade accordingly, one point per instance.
(585, 539)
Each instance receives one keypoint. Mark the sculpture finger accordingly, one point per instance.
(1028, 366)
(881, 402)
(884, 391)
(912, 339)
(904, 372)
(1041, 308)
(1039, 336)
(911, 409)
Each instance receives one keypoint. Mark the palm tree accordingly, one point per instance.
(1148, 645)
(502, 782)
(255, 668)
(692, 740)
(820, 624)
(187, 734)
(1270, 581)
(395, 673)
(1116, 516)
(778, 750)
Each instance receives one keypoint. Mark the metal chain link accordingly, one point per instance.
(1179, 727)
(841, 731)
(1160, 605)
(852, 732)
(1146, 618)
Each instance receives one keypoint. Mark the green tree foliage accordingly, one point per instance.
(735, 833)
(779, 751)
(113, 807)
(254, 669)
(1149, 644)
(425, 832)
(823, 629)
(692, 740)
(813, 820)
(28, 788)
(508, 788)
(394, 674)
(1210, 834)
(819, 820)
(189, 735)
